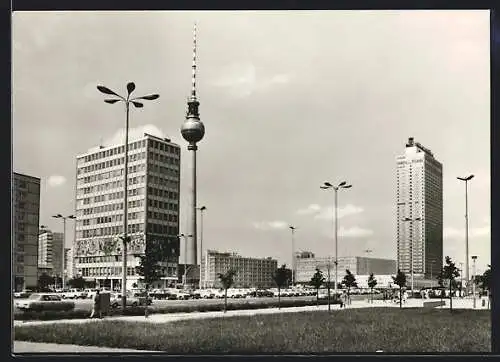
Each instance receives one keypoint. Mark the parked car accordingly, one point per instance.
(42, 302)
(207, 293)
(23, 294)
(181, 295)
(115, 301)
(74, 294)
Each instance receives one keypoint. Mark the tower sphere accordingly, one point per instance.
(192, 130)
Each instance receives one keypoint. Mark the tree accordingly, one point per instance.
(400, 280)
(281, 277)
(227, 280)
(77, 282)
(450, 272)
(484, 282)
(44, 280)
(372, 282)
(349, 282)
(317, 280)
(149, 268)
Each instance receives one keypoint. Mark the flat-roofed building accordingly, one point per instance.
(25, 224)
(153, 210)
(250, 272)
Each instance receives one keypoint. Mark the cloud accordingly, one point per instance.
(354, 232)
(270, 225)
(326, 213)
(56, 180)
(311, 209)
(133, 134)
(454, 233)
(241, 80)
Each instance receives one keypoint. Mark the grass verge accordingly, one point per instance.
(352, 330)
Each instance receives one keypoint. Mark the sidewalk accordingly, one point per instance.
(31, 347)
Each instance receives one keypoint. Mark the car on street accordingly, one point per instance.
(74, 294)
(44, 302)
(23, 294)
(115, 300)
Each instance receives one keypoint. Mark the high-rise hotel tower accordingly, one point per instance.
(153, 209)
(419, 211)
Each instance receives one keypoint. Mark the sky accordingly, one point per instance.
(289, 100)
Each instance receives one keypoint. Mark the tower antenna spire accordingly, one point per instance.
(193, 80)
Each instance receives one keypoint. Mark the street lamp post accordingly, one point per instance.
(202, 209)
(474, 257)
(466, 180)
(432, 266)
(330, 186)
(461, 278)
(329, 282)
(125, 238)
(293, 228)
(407, 219)
(59, 216)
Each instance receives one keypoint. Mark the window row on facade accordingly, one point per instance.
(108, 186)
(137, 145)
(110, 174)
(111, 163)
(166, 171)
(112, 151)
(155, 156)
(109, 230)
(162, 205)
(109, 208)
(117, 271)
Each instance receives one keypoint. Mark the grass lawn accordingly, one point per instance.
(352, 330)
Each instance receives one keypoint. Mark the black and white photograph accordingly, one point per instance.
(251, 182)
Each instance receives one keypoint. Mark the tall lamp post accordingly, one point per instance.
(59, 216)
(202, 209)
(329, 186)
(125, 238)
(474, 257)
(407, 219)
(466, 180)
(293, 228)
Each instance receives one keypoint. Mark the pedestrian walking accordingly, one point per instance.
(96, 308)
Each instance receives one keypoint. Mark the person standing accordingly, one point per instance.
(96, 308)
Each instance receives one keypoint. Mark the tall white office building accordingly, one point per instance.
(153, 210)
(419, 199)
(50, 246)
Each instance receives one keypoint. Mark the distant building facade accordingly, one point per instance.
(419, 198)
(357, 265)
(69, 263)
(153, 210)
(250, 272)
(25, 224)
(50, 252)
